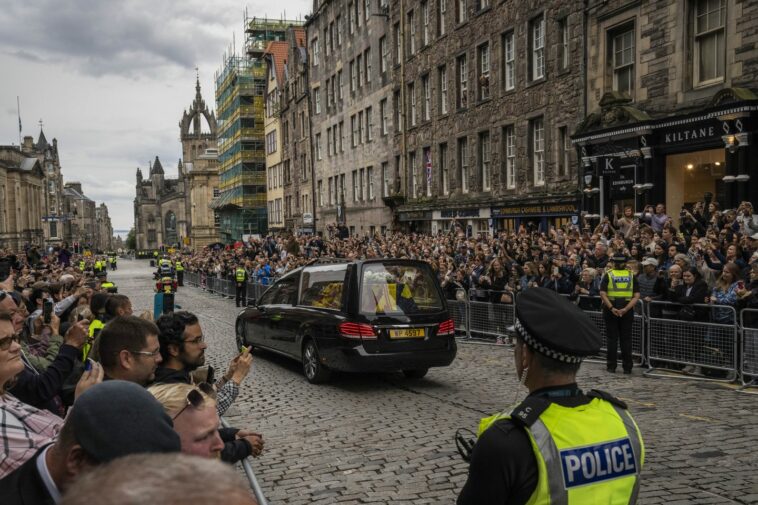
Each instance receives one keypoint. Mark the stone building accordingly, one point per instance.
(202, 174)
(103, 229)
(52, 213)
(672, 101)
(22, 198)
(160, 210)
(296, 127)
(276, 61)
(198, 129)
(163, 206)
(80, 227)
(351, 83)
(486, 95)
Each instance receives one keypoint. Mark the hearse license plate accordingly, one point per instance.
(408, 333)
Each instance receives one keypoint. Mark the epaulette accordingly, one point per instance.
(596, 393)
(529, 410)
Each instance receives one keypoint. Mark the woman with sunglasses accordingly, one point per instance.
(25, 429)
(193, 410)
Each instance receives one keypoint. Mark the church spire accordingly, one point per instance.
(198, 96)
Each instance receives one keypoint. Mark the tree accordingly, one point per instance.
(131, 240)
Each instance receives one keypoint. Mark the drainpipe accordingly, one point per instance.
(403, 139)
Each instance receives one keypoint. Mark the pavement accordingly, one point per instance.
(381, 438)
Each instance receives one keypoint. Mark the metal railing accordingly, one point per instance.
(700, 342)
(749, 361)
(248, 468)
(490, 319)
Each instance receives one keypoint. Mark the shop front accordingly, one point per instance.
(631, 159)
(535, 216)
(416, 221)
(474, 221)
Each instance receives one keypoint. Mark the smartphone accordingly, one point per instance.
(88, 365)
(555, 270)
(740, 285)
(47, 310)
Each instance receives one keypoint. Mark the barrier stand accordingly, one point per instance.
(489, 321)
(250, 475)
(588, 304)
(749, 362)
(692, 343)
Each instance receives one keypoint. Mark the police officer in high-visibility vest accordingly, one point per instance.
(82, 265)
(560, 445)
(179, 272)
(108, 286)
(619, 292)
(240, 286)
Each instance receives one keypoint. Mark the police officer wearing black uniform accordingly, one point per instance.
(619, 292)
(560, 445)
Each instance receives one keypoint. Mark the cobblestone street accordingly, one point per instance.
(385, 439)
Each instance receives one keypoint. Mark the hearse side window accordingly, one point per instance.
(322, 286)
(269, 295)
(287, 292)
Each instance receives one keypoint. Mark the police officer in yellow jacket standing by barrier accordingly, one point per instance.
(240, 286)
(560, 446)
(619, 292)
(179, 272)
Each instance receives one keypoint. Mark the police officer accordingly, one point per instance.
(107, 286)
(240, 285)
(560, 445)
(619, 292)
(179, 272)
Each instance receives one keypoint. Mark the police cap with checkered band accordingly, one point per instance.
(553, 326)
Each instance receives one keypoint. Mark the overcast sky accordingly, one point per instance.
(110, 80)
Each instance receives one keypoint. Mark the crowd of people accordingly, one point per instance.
(709, 257)
(89, 390)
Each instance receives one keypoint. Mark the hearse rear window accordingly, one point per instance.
(398, 289)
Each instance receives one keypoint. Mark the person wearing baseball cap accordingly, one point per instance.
(108, 421)
(651, 285)
(619, 292)
(560, 445)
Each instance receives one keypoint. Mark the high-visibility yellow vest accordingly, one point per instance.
(82, 265)
(107, 285)
(591, 453)
(620, 284)
(179, 266)
(239, 274)
(94, 329)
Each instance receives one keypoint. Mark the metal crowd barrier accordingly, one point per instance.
(749, 362)
(587, 303)
(699, 343)
(487, 319)
(248, 468)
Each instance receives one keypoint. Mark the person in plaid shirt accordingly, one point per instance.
(24, 429)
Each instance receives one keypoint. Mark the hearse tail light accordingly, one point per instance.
(446, 328)
(356, 330)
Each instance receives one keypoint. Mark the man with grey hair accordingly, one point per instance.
(168, 479)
